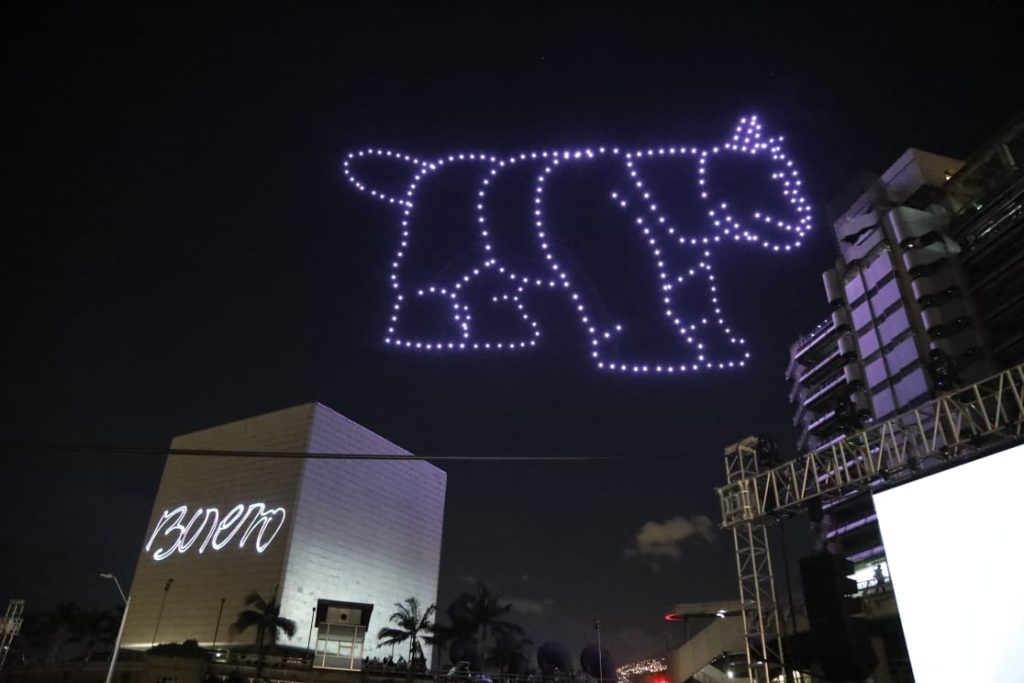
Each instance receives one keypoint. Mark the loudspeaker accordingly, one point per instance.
(815, 513)
(840, 636)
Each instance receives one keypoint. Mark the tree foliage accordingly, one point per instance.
(409, 625)
(68, 631)
(477, 620)
(266, 617)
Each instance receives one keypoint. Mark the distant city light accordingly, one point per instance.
(681, 257)
(640, 668)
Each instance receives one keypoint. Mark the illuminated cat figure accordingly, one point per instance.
(497, 269)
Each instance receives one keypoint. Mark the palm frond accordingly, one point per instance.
(247, 618)
(388, 635)
(256, 601)
(441, 634)
(506, 628)
(425, 620)
(286, 625)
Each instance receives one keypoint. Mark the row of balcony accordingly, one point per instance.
(937, 288)
(806, 339)
(910, 225)
(926, 259)
(809, 396)
(824, 425)
(845, 348)
(838, 320)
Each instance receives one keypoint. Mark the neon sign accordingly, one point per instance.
(679, 256)
(219, 531)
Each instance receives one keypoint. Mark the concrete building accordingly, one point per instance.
(898, 296)
(927, 293)
(335, 541)
(931, 266)
(986, 200)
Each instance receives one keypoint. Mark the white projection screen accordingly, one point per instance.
(953, 542)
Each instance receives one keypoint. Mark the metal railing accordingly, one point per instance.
(806, 339)
(960, 424)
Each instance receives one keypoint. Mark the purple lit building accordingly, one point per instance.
(336, 541)
(927, 294)
(897, 293)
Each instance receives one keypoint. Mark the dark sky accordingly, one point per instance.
(180, 250)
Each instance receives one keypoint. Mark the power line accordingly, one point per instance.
(94, 449)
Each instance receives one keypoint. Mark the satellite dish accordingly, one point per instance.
(551, 656)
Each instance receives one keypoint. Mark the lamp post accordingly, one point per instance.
(120, 629)
(600, 657)
(309, 638)
(216, 629)
(160, 613)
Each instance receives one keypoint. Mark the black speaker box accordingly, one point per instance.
(841, 639)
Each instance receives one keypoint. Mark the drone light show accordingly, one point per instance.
(620, 242)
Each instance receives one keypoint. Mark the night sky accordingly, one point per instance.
(180, 250)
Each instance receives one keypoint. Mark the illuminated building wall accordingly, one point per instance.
(896, 295)
(927, 293)
(361, 531)
(929, 269)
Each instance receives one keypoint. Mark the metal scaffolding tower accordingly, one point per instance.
(10, 625)
(754, 568)
(969, 422)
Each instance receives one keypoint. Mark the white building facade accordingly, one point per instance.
(335, 541)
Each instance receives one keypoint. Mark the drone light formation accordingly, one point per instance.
(680, 255)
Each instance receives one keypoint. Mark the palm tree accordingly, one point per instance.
(409, 625)
(510, 653)
(98, 630)
(266, 617)
(63, 621)
(458, 639)
(483, 611)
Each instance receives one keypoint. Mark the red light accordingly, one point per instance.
(675, 616)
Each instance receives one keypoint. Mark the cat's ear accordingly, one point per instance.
(769, 210)
(749, 136)
(397, 168)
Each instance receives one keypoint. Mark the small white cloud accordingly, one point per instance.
(665, 539)
(530, 605)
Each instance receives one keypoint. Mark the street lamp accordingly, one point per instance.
(216, 629)
(120, 631)
(160, 613)
(309, 639)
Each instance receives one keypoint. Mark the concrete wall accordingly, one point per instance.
(201, 580)
(357, 531)
(365, 531)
